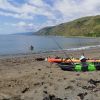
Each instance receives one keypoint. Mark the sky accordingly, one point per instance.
(31, 15)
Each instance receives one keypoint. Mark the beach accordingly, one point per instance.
(24, 78)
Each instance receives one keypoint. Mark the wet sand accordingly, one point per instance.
(24, 78)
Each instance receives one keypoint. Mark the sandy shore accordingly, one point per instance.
(24, 78)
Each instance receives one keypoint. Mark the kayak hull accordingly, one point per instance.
(78, 67)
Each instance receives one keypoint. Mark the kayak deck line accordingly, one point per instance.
(55, 60)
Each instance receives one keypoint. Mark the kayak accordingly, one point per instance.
(79, 67)
(58, 60)
(74, 64)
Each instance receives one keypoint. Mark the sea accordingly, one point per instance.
(20, 44)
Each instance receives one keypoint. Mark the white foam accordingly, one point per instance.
(83, 48)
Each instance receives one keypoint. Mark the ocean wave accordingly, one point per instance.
(84, 47)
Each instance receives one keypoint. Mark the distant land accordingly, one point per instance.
(86, 26)
(24, 33)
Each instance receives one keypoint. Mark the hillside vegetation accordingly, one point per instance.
(86, 26)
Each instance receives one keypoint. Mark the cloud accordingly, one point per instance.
(66, 9)
(38, 3)
(4, 4)
(23, 25)
(20, 24)
(58, 11)
(15, 15)
(74, 9)
(27, 10)
(13, 11)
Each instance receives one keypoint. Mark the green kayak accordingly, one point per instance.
(79, 66)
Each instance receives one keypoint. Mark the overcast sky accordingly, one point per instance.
(31, 15)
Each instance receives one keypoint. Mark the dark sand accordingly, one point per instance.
(23, 78)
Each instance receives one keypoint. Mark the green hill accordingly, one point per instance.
(86, 26)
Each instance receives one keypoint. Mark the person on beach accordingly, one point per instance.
(31, 48)
(84, 63)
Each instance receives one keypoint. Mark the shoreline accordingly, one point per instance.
(88, 51)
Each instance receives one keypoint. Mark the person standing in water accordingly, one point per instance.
(31, 48)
